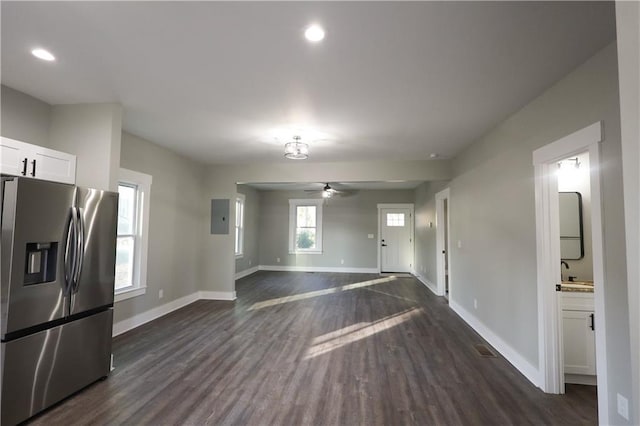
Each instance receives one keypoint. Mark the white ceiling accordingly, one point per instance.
(219, 81)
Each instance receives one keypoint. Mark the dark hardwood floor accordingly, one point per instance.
(321, 349)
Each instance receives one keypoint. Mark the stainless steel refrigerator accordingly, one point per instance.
(57, 253)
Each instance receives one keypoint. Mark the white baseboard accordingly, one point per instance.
(217, 295)
(581, 379)
(157, 312)
(317, 269)
(162, 310)
(247, 272)
(530, 371)
(431, 286)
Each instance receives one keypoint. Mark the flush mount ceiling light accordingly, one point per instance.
(43, 54)
(296, 150)
(314, 33)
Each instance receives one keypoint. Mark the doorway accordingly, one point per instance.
(395, 226)
(554, 275)
(443, 260)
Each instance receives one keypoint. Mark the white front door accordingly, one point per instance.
(396, 240)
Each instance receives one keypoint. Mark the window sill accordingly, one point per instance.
(305, 252)
(129, 293)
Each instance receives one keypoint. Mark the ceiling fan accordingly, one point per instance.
(329, 191)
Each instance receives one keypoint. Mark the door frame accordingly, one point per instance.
(441, 196)
(409, 206)
(550, 351)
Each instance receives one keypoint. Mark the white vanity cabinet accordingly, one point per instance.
(578, 332)
(24, 159)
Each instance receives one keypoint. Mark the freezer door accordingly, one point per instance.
(95, 277)
(41, 369)
(35, 257)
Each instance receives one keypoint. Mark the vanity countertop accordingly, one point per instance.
(577, 286)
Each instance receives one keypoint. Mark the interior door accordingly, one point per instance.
(396, 245)
(35, 226)
(99, 211)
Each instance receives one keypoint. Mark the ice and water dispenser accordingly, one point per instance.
(41, 261)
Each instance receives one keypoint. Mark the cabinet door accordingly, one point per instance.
(52, 165)
(13, 157)
(579, 343)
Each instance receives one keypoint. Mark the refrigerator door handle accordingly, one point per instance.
(69, 253)
(80, 249)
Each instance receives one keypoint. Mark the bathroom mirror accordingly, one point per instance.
(571, 235)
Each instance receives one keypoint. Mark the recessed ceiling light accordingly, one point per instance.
(314, 33)
(43, 54)
(433, 155)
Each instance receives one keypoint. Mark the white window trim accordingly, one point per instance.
(242, 199)
(143, 182)
(293, 203)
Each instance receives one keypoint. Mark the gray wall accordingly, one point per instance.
(425, 248)
(176, 222)
(251, 226)
(493, 215)
(346, 223)
(628, 29)
(93, 133)
(24, 118)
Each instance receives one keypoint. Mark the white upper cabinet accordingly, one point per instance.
(23, 159)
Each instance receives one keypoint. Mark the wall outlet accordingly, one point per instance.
(475, 303)
(277, 259)
(250, 262)
(161, 293)
(342, 261)
(623, 406)
(370, 236)
(459, 244)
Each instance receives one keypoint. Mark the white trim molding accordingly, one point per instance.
(440, 197)
(240, 199)
(155, 313)
(550, 351)
(529, 370)
(283, 268)
(247, 272)
(142, 318)
(431, 286)
(142, 183)
(129, 293)
(217, 295)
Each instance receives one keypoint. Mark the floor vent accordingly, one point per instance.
(484, 351)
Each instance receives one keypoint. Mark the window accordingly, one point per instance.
(133, 225)
(395, 219)
(239, 225)
(305, 226)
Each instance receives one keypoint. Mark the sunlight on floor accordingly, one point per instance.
(353, 333)
(311, 294)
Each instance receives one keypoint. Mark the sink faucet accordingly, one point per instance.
(566, 265)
